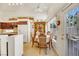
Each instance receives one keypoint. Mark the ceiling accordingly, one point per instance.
(37, 10)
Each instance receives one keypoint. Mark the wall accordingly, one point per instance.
(64, 25)
(60, 38)
(48, 23)
(61, 43)
(58, 33)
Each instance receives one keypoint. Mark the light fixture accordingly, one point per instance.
(38, 8)
(41, 8)
(41, 12)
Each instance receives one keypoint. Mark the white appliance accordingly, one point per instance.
(23, 29)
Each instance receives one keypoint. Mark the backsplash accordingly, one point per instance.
(3, 31)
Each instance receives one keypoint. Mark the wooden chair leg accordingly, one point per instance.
(49, 45)
(39, 50)
(32, 42)
(45, 51)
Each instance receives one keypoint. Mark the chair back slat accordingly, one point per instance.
(42, 41)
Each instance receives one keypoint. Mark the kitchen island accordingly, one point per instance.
(12, 45)
(11, 33)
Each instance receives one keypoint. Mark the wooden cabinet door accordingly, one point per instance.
(6, 26)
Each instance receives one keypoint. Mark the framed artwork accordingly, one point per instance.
(52, 25)
(39, 26)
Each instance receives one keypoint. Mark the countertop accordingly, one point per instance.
(11, 33)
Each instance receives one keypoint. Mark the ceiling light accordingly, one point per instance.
(41, 8)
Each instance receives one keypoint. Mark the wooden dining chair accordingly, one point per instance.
(33, 41)
(42, 43)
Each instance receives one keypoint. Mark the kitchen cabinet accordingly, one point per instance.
(6, 26)
(3, 45)
(0, 25)
(15, 45)
(11, 25)
(21, 22)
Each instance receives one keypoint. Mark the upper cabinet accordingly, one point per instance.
(6, 26)
(11, 25)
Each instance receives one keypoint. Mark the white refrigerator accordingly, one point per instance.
(23, 29)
